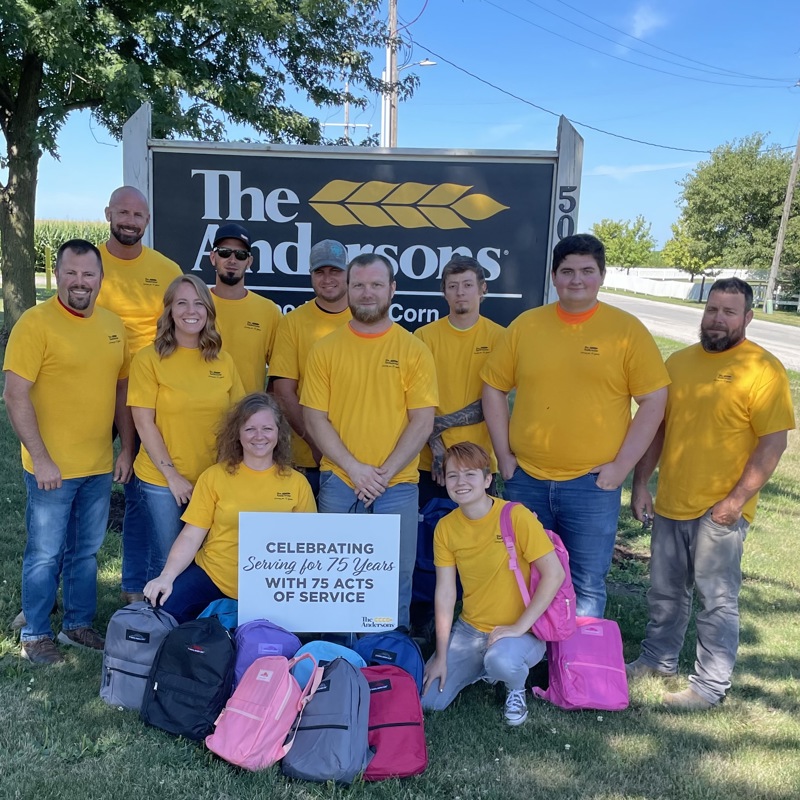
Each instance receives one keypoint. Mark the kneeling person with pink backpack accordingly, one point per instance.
(492, 638)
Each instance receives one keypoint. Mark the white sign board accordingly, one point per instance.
(319, 572)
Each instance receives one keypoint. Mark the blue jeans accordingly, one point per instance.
(469, 660)
(66, 528)
(165, 524)
(192, 591)
(585, 517)
(135, 538)
(336, 497)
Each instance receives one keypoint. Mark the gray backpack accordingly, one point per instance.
(132, 639)
(331, 741)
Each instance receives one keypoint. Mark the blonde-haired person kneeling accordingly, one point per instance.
(253, 473)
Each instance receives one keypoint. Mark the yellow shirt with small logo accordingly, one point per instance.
(190, 396)
(297, 332)
(218, 498)
(719, 405)
(134, 290)
(475, 548)
(458, 356)
(74, 364)
(248, 327)
(366, 385)
(574, 385)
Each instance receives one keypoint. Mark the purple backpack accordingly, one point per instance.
(587, 670)
(558, 620)
(261, 638)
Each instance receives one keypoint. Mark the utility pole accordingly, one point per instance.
(787, 207)
(391, 72)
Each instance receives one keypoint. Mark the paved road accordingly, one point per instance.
(683, 323)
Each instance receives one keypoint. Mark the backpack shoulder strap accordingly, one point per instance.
(509, 540)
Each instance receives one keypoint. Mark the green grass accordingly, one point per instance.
(57, 739)
(781, 317)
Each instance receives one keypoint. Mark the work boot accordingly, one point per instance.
(42, 651)
(83, 637)
(687, 700)
(641, 669)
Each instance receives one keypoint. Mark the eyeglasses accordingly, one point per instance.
(227, 252)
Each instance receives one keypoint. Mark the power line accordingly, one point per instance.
(625, 60)
(664, 49)
(556, 113)
(712, 70)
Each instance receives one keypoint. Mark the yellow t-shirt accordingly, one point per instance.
(218, 498)
(475, 547)
(367, 384)
(719, 405)
(134, 290)
(574, 386)
(459, 356)
(190, 396)
(297, 332)
(74, 364)
(248, 327)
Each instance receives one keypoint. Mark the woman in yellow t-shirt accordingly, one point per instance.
(253, 473)
(179, 390)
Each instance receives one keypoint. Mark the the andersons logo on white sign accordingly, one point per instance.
(319, 572)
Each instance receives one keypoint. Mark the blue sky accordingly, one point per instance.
(553, 54)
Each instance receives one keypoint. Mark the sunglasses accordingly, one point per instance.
(227, 252)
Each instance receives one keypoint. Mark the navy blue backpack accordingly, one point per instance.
(424, 584)
(394, 648)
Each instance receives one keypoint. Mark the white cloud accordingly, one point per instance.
(622, 173)
(644, 20)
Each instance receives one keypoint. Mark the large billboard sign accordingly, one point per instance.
(418, 208)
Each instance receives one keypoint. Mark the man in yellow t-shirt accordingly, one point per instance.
(66, 369)
(133, 288)
(460, 342)
(725, 429)
(570, 442)
(297, 332)
(369, 397)
(492, 636)
(246, 321)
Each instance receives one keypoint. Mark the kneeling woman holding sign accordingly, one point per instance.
(253, 473)
(492, 638)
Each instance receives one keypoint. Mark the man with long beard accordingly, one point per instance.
(369, 397)
(246, 321)
(725, 429)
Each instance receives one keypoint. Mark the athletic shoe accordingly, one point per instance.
(83, 637)
(640, 669)
(516, 710)
(687, 700)
(42, 651)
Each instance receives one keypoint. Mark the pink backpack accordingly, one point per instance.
(558, 621)
(588, 670)
(251, 731)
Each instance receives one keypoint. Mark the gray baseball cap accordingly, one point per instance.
(327, 253)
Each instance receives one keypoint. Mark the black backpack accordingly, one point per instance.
(331, 743)
(191, 679)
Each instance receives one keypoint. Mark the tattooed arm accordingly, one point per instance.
(469, 415)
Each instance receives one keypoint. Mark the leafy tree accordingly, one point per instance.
(628, 244)
(732, 205)
(684, 252)
(200, 65)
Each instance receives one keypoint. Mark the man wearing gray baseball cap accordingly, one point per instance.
(297, 332)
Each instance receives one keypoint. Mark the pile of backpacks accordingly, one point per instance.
(256, 697)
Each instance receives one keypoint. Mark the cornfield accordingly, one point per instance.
(54, 232)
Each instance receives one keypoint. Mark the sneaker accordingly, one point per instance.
(42, 651)
(19, 621)
(516, 710)
(687, 700)
(640, 669)
(131, 597)
(83, 637)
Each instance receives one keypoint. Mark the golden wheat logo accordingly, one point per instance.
(378, 204)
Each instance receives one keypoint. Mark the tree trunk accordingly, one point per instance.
(18, 197)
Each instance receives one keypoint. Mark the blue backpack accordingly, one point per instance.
(324, 653)
(225, 610)
(424, 583)
(262, 638)
(394, 648)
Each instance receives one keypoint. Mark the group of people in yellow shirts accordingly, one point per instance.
(372, 415)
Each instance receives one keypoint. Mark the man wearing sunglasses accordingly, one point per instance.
(246, 321)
